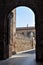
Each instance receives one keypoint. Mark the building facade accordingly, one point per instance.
(26, 31)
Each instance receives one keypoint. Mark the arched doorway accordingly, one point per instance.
(16, 36)
(10, 5)
(14, 25)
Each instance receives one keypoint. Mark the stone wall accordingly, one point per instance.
(24, 43)
(12, 20)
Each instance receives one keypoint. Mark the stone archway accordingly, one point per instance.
(13, 35)
(5, 8)
(19, 3)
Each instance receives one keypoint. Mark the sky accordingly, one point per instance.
(24, 16)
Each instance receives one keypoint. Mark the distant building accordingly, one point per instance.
(26, 31)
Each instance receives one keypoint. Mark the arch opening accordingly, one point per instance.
(16, 32)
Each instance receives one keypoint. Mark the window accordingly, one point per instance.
(28, 34)
(22, 33)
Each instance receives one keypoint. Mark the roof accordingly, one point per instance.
(25, 28)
